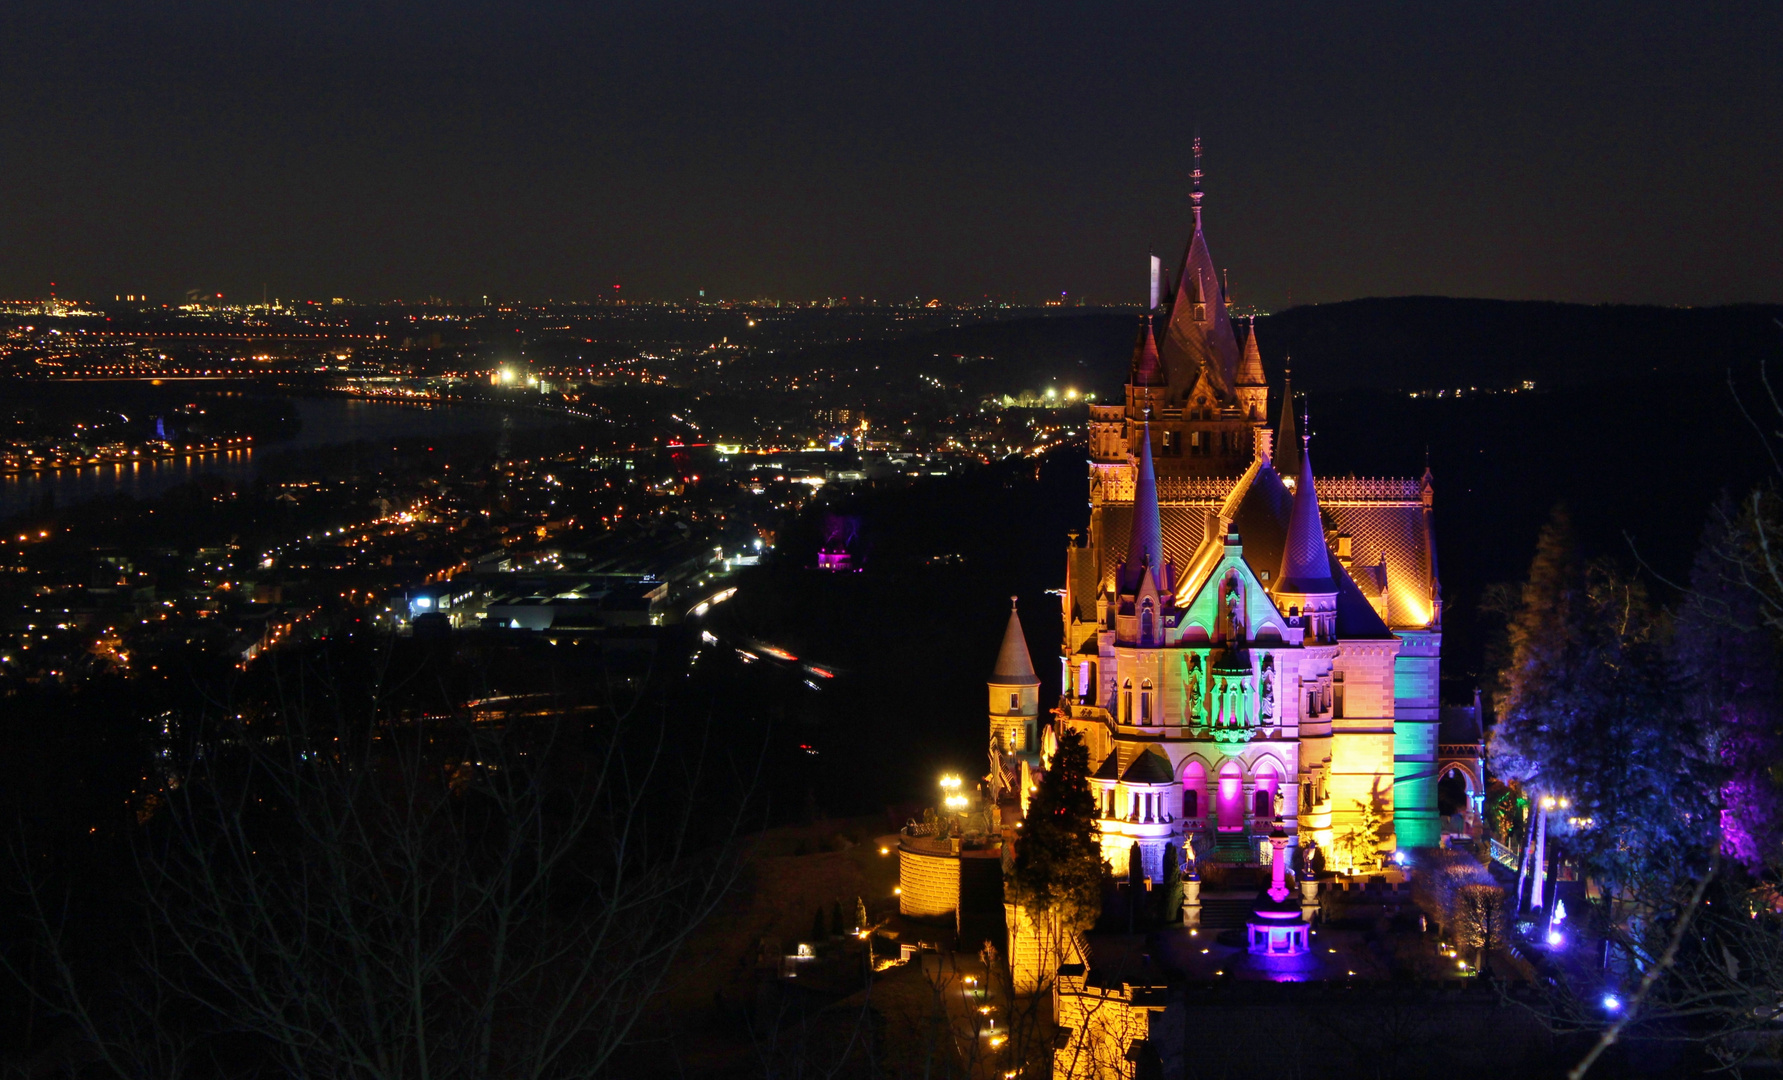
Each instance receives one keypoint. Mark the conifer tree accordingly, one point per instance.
(1058, 860)
(1172, 902)
(860, 913)
(1591, 714)
(1135, 885)
(1543, 653)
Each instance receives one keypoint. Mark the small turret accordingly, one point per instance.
(1148, 370)
(1014, 690)
(1253, 387)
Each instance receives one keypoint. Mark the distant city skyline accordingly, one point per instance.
(1586, 152)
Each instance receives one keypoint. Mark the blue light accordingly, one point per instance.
(1612, 1003)
(1554, 937)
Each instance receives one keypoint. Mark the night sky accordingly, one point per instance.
(1623, 151)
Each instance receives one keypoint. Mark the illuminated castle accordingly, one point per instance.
(1242, 635)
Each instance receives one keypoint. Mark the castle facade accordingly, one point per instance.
(1242, 637)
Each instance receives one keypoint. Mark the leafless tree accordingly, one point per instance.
(337, 892)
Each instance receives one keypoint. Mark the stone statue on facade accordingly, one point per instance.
(1266, 701)
(1197, 707)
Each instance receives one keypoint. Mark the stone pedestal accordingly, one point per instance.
(1278, 930)
(1309, 898)
(1191, 900)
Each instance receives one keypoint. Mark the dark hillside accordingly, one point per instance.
(1402, 343)
(1088, 351)
(1428, 342)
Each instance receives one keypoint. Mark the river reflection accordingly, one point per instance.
(326, 422)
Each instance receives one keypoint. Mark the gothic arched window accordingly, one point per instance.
(1127, 701)
(1145, 624)
(1145, 702)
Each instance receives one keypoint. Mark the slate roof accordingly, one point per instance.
(1306, 563)
(1148, 368)
(1190, 347)
(1110, 769)
(1145, 542)
(1014, 666)
(1149, 767)
(1384, 519)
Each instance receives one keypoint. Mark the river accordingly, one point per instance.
(327, 421)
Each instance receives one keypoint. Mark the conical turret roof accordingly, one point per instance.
(1145, 546)
(1148, 369)
(1287, 438)
(1306, 558)
(1250, 369)
(1014, 666)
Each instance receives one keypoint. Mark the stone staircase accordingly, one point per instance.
(1234, 848)
(1225, 913)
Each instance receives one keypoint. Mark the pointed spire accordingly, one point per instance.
(1014, 666)
(1145, 547)
(1287, 439)
(1198, 335)
(1148, 370)
(1250, 369)
(1306, 558)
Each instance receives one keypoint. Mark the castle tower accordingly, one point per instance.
(1014, 691)
(1149, 381)
(1201, 423)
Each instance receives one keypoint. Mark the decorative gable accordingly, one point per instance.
(1231, 605)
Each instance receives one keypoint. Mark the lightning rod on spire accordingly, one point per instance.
(1195, 194)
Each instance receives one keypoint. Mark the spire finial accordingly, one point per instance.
(1012, 601)
(1195, 177)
